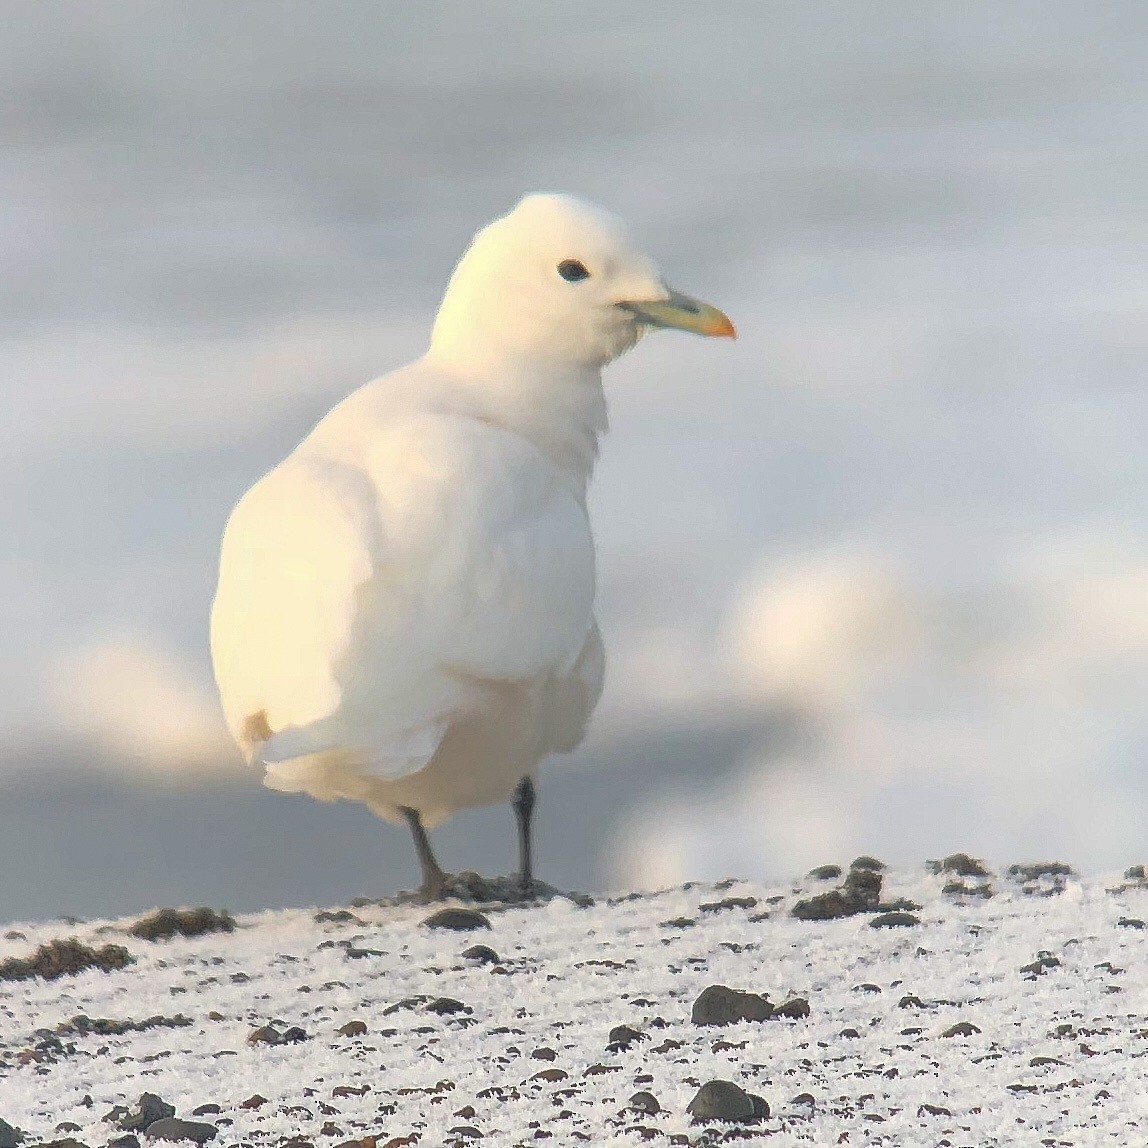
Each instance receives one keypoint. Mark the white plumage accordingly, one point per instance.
(405, 606)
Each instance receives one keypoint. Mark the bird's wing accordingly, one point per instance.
(363, 603)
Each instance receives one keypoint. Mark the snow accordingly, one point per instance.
(568, 975)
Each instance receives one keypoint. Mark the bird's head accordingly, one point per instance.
(558, 280)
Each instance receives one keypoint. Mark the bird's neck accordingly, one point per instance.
(558, 407)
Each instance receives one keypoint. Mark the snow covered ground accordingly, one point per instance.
(932, 1033)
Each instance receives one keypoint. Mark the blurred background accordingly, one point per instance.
(873, 578)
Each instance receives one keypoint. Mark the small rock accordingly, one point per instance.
(826, 872)
(960, 865)
(932, 1110)
(622, 1036)
(255, 1100)
(1130, 923)
(544, 1054)
(207, 1110)
(850, 1034)
(480, 955)
(1135, 873)
(167, 923)
(806, 1098)
(722, 1100)
(1033, 872)
(866, 863)
(728, 903)
(644, 1102)
(678, 923)
(961, 1028)
(796, 1008)
(550, 1075)
(459, 920)
(63, 958)
(10, 1136)
(172, 1128)
(960, 889)
(353, 1028)
(447, 1006)
(720, 1005)
(465, 1132)
(894, 921)
(265, 1034)
(1043, 962)
(149, 1108)
(337, 917)
(125, 1141)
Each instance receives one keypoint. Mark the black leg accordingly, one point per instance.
(434, 879)
(524, 813)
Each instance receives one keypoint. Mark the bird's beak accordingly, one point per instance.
(684, 314)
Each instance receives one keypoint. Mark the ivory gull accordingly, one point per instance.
(405, 609)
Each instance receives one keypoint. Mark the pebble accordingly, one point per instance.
(459, 920)
(480, 955)
(149, 1108)
(644, 1102)
(724, 1101)
(720, 1005)
(896, 920)
(172, 1128)
(622, 1037)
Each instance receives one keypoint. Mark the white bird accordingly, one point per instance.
(405, 609)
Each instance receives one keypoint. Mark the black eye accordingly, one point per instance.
(573, 271)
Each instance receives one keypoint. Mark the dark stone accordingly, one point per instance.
(826, 872)
(172, 1128)
(337, 917)
(480, 955)
(796, 1008)
(728, 903)
(447, 1006)
(460, 920)
(865, 863)
(67, 1142)
(719, 1005)
(148, 1109)
(933, 1110)
(894, 921)
(806, 1098)
(63, 958)
(551, 1075)
(960, 889)
(207, 1110)
(679, 923)
(544, 1054)
(961, 1028)
(864, 885)
(264, 1035)
(644, 1102)
(622, 1036)
(1043, 962)
(1130, 923)
(911, 1001)
(10, 1136)
(125, 1141)
(1135, 873)
(294, 1035)
(164, 924)
(255, 1100)
(850, 1034)
(722, 1100)
(1034, 872)
(960, 865)
(353, 1028)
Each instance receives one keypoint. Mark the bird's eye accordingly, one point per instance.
(573, 271)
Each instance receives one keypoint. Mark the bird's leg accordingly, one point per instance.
(434, 879)
(524, 814)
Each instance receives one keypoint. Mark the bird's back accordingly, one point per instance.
(374, 587)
